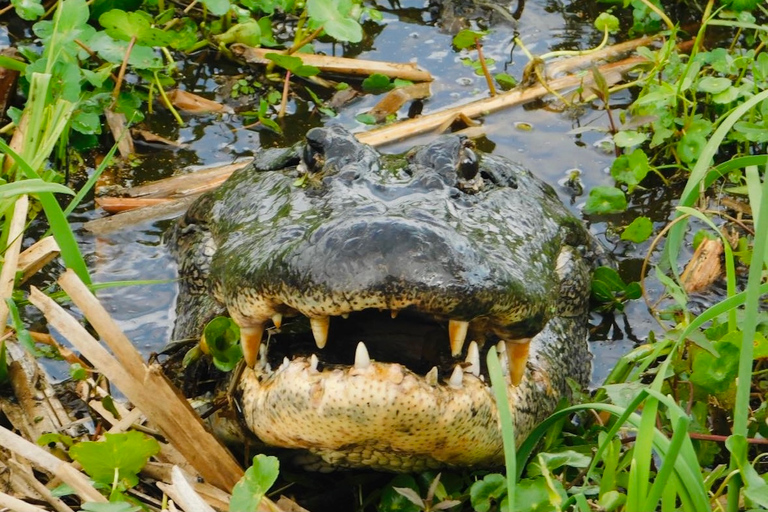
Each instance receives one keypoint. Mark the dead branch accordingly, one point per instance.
(340, 65)
(165, 406)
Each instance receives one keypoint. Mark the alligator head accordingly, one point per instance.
(369, 288)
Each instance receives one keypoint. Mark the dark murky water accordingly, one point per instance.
(556, 144)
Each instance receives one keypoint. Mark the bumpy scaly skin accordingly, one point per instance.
(431, 232)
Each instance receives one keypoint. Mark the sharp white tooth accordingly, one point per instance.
(320, 330)
(313, 362)
(473, 358)
(285, 364)
(501, 349)
(457, 377)
(457, 333)
(362, 359)
(250, 340)
(431, 376)
(277, 319)
(394, 313)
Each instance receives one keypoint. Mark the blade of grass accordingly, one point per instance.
(499, 387)
(741, 409)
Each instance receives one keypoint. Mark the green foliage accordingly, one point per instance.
(639, 230)
(117, 460)
(630, 169)
(468, 38)
(610, 290)
(248, 492)
(337, 17)
(292, 64)
(222, 339)
(604, 200)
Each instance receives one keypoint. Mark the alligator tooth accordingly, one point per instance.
(345, 315)
(277, 319)
(457, 377)
(431, 376)
(250, 340)
(457, 333)
(320, 330)
(285, 364)
(362, 359)
(518, 358)
(394, 313)
(473, 358)
(313, 362)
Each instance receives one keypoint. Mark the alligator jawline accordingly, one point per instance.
(413, 340)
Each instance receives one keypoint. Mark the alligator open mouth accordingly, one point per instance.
(439, 351)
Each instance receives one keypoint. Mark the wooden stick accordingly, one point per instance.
(340, 65)
(572, 64)
(170, 208)
(8, 272)
(45, 460)
(37, 256)
(9, 502)
(164, 406)
(404, 129)
(37, 485)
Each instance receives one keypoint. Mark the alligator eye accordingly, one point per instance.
(469, 164)
(314, 153)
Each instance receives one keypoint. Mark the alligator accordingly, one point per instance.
(369, 288)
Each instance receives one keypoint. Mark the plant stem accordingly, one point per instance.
(121, 73)
(488, 78)
(284, 99)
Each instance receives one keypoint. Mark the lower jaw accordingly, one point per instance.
(381, 417)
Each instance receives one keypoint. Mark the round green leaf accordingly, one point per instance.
(638, 231)
(713, 85)
(603, 200)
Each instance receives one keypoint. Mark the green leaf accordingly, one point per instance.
(715, 374)
(217, 7)
(365, 118)
(113, 50)
(222, 336)
(293, 64)
(248, 33)
(126, 25)
(629, 138)
(603, 200)
(505, 81)
(486, 492)
(753, 132)
(638, 231)
(122, 455)
(22, 334)
(466, 38)
(334, 17)
(247, 493)
(631, 169)
(29, 10)
(606, 21)
(713, 85)
(377, 83)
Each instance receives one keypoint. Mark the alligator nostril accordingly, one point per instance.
(469, 165)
